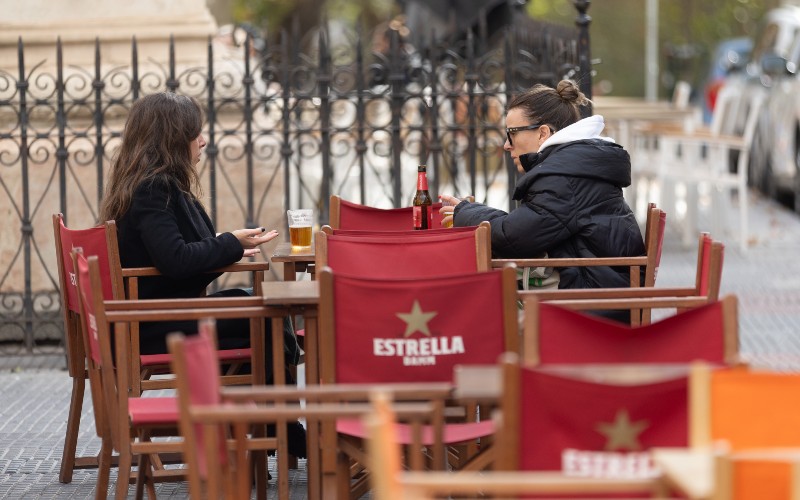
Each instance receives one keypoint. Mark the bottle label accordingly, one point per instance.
(423, 216)
(417, 214)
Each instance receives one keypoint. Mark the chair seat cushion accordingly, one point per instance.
(453, 433)
(224, 355)
(153, 411)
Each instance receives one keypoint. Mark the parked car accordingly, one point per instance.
(773, 69)
(730, 56)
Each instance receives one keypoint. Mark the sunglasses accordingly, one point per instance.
(513, 130)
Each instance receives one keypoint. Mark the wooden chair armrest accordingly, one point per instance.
(244, 266)
(573, 262)
(148, 315)
(248, 414)
(505, 483)
(198, 303)
(608, 293)
(338, 392)
(634, 303)
(135, 272)
(130, 272)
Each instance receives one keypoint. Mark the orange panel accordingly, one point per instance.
(761, 480)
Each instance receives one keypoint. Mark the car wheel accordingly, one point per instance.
(756, 166)
(769, 186)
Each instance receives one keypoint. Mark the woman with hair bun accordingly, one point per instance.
(569, 190)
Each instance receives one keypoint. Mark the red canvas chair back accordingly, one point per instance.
(93, 242)
(588, 426)
(381, 330)
(203, 384)
(349, 215)
(99, 341)
(708, 333)
(88, 313)
(437, 254)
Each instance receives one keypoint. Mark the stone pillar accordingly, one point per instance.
(114, 22)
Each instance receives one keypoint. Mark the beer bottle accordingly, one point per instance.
(422, 204)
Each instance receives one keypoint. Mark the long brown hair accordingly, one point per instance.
(557, 107)
(155, 145)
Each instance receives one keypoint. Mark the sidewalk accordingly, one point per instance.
(34, 392)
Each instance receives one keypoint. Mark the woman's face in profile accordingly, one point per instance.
(195, 147)
(522, 140)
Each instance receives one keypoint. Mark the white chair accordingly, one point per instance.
(701, 159)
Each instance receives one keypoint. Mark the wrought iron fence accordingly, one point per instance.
(285, 128)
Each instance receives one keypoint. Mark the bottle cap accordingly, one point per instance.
(421, 168)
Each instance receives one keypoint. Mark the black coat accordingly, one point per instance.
(571, 205)
(165, 228)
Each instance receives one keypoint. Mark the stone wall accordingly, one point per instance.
(114, 22)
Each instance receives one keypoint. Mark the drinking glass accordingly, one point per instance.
(300, 222)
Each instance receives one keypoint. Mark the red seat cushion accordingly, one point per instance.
(153, 411)
(453, 433)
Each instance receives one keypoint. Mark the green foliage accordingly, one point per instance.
(688, 31)
(272, 15)
(269, 15)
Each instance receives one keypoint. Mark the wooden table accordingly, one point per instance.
(299, 298)
(687, 470)
(621, 113)
(294, 260)
(302, 298)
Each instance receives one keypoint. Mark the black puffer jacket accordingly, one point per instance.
(571, 205)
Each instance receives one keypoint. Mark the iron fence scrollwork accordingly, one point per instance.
(285, 128)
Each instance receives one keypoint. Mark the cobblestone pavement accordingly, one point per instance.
(34, 392)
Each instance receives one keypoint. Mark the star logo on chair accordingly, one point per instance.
(622, 433)
(416, 320)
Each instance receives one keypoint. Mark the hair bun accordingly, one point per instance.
(569, 92)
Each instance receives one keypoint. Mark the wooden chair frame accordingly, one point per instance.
(390, 482)
(76, 358)
(328, 376)
(242, 407)
(706, 289)
(654, 235)
(120, 433)
(124, 283)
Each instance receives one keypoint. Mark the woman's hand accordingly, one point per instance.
(448, 209)
(449, 201)
(252, 238)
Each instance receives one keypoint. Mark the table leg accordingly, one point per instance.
(313, 469)
(289, 271)
(311, 347)
(259, 378)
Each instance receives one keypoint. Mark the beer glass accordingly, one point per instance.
(450, 223)
(300, 222)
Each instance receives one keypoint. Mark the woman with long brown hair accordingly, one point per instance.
(153, 195)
